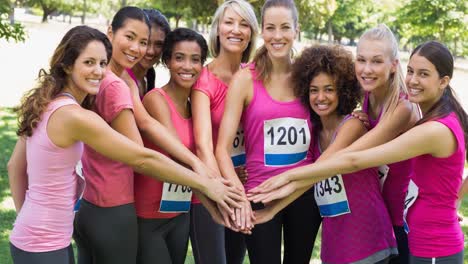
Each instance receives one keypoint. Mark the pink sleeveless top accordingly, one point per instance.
(396, 185)
(434, 230)
(277, 135)
(365, 234)
(45, 222)
(148, 190)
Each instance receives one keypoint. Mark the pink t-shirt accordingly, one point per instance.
(45, 222)
(365, 234)
(108, 183)
(148, 190)
(277, 135)
(399, 174)
(434, 230)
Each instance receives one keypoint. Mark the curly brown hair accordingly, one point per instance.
(335, 61)
(51, 83)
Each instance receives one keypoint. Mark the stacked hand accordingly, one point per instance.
(275, 188)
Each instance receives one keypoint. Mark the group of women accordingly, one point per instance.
(270, 147)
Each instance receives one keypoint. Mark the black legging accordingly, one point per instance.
(163, 240)
(300, 222)
(60, 256)
(106, 235)
(402, 242)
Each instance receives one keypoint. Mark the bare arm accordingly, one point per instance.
(161, 136)
(202, 129)
(17, 174)
(239, 95)
(392, 125)
(353, 130)
(88, 127)
(410, 144)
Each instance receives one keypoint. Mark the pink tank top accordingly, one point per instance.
(148, 190)
(365, 233)
(396, 185)
(434, 230)
(216, 90)
(277, 135)
(45, 222)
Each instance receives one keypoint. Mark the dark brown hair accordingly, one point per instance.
(52, 82)
(335, 61)
(439, 55)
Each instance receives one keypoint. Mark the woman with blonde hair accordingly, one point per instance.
(232, 41)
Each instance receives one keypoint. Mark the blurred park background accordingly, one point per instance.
(31, 29)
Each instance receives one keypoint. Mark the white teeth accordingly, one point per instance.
(186, 75)
(235, 39)
(414, 91)
(277, 46)
(322, 106)
(131, 58)
(93, 81)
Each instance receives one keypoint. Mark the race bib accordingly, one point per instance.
(410, 198)
(383, 173)
(286, 141)
(330, 195)
(80, 186)
(175, 198)
(238, 148)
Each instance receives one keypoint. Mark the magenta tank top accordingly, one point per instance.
(363, 235)
(396, 184)
(277, 135)
(434, 230)
(45, 222)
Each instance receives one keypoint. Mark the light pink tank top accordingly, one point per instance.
(277, 135)
(365, 234)
(396, 185)
(45, 222)
(434, 230)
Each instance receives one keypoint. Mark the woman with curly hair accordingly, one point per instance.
(53, 126)
(355, 220)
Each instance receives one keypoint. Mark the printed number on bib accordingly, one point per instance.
(238, 148)
(383, 173)
(80, 185)
(286, 141)
(330, 195)
(410, 198)
(175, 198)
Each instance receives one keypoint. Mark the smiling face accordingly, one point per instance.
(323, 95)
(185, 64)
(88, 69)
(154, 49)
(129, 43)
(374, 64)
(279, 31)
(425, 86)
(234, 32)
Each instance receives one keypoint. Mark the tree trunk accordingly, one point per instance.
(44, 16)
(178, 17)
(83, 16)
(330, 32)
(12, 13)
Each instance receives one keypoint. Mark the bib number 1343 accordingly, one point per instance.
(286, 141)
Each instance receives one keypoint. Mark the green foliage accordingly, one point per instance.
(9, 29)
(443, 20)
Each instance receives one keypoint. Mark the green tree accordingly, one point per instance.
(9, 29)
(444, 20)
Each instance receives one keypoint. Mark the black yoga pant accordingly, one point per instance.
(106, 235)
(60, 256)
(163, 240)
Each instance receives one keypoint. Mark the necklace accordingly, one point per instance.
(69, 95)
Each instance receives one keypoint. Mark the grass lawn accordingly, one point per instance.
(7, 215)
